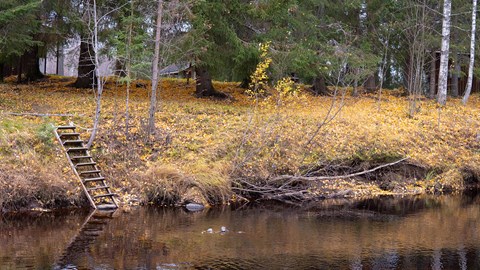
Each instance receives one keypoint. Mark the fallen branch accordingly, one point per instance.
(317, 178)
(39, 114)
(290, 189)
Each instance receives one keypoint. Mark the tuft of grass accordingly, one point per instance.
(45, 133)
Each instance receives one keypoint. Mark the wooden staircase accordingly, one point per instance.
(86, 169)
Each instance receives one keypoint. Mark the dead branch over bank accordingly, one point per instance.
(41, 114)
(298, 189)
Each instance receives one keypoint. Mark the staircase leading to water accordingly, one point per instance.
(86, 169)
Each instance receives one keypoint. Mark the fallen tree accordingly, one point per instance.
(297, 189)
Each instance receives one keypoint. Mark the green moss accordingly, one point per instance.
(8, 126)
(44, 133)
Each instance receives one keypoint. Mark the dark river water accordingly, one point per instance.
(386, 233)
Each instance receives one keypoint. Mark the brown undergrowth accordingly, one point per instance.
(204, 147)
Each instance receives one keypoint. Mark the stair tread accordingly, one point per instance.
(72, 141)
(85, 164)
(66, 127)
(105, 195)
(76, 149)
(80, 157)
(90, 172)
(97, 188)
(69, 134)
(93, 179)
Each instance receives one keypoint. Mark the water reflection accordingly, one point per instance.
(387, 233)
(79, 252)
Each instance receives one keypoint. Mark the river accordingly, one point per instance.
(422, 232)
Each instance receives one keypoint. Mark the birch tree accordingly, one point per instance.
(468, 88)
(443, 74)
(99, 82)
(156, 59)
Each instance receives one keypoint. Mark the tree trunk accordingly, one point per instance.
(2, 66)
(86, 66)
(433, 74)
(319, 86)
(20, 69)
(245, 84)
(204, 87)
(128, 74)
(99, 84)
(59, 69)
(120, 68)
(370, 84)
(355, 82)
(455, 74)
(443, 74)
(156, 59)
(468, 88)
(32, 65)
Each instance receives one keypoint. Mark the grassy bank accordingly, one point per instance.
(202, 146)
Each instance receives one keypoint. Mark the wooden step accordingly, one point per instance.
(106, 206)
(89, 172)
(66, 127)
(68, 134)
(104, 195)
(79, 157)
(85, 164)
(77, 149)
(97, 188)
(93, 179)
(72, 141)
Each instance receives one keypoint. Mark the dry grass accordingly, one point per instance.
(206, 144)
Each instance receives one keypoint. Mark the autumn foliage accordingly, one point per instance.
(208, 144)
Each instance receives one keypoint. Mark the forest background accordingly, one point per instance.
(310, 99)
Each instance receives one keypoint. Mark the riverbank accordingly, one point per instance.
(204, 147)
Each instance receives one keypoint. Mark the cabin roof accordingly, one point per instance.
(174, 68)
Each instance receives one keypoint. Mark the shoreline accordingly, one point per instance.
(205, 149)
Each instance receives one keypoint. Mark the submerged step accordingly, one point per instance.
(107, 206)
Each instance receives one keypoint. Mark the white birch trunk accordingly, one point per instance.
(129, 73)
(468, 88)
(443, 74)
(99, 80)
(156, 58)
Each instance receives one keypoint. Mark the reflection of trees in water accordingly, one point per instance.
(391, 207)
(78, 252)
(432, 232)
(399, 206)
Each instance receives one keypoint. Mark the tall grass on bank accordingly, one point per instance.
(204, 144)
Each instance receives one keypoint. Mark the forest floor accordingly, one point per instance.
(218, 151)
